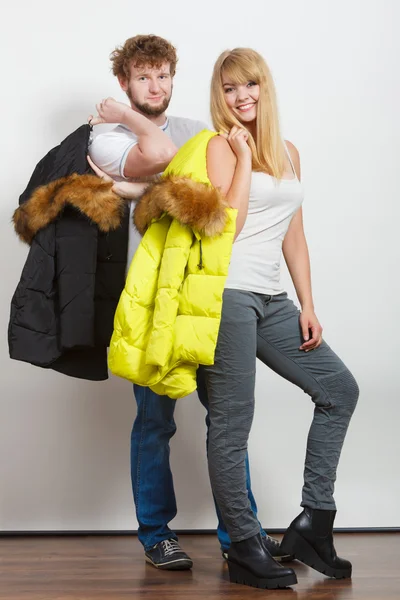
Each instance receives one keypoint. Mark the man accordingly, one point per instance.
(141, 146)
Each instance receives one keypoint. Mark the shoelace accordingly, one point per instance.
(170, 547)
(273, 541)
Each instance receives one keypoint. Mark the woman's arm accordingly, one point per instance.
(295, 251)
(154, 149)
(230, 173)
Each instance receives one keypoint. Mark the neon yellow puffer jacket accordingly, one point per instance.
(168, 316)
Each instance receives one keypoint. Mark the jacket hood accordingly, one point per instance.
(62, 160)
(197, 205)
(88, 193)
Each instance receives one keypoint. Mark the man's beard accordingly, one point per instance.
(148, 109)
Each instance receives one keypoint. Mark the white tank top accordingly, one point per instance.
(257, 251)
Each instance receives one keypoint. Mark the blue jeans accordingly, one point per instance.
(152, 483)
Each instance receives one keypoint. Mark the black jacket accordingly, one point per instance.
(63, 308)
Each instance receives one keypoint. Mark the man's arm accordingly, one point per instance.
(152, 151)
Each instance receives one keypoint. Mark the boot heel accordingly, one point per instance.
(238, 574)
(295, 544)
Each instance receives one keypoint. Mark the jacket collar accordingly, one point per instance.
(197, 205)
(87, 193)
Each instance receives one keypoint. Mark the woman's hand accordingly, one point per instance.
(237, 138)
(309, 322)
(109, 111)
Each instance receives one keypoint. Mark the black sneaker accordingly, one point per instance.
(168, 555)
(273, 547)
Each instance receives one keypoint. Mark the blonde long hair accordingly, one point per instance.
(241, 65)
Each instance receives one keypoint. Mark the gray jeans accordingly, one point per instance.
(268, 327)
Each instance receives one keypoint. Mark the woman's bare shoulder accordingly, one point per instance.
(221, 162)
(219, 153)
(218, 145)
(294, 155)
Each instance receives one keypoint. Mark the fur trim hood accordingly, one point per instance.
(88, 193)
(197, 205)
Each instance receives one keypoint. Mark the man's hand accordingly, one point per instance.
(130, 190)
(309, 322)
(109, 111)
(124, 189)
(98, 171)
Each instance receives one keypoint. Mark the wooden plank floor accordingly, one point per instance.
(112, 568)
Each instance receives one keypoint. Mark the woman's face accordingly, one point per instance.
(241, 99)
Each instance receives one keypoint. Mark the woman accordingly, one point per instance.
(258, 320)
(260, 176)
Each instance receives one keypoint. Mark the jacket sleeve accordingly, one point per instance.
(33, 327)
(172, 270)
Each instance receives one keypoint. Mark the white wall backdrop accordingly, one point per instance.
(64, 443)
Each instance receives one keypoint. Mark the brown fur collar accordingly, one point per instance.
(197, 205)
(90, 194)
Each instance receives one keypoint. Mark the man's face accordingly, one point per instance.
(149, 89)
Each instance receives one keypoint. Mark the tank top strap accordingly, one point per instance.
(290, 159)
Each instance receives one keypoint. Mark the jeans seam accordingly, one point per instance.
(333, 374)
(140, 448)
(295, 363)
(224, 441)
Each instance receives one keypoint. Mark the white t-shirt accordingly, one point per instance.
(110, 150)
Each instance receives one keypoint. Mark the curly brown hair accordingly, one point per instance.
(143, 50)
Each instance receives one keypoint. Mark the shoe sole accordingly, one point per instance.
(238, 574)
(174, 565)
(295, 544)
(285, 558)
(276, 546)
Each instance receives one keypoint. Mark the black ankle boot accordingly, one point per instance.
(309, 538)
(250, 563)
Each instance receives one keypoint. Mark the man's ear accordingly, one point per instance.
(123, 82)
